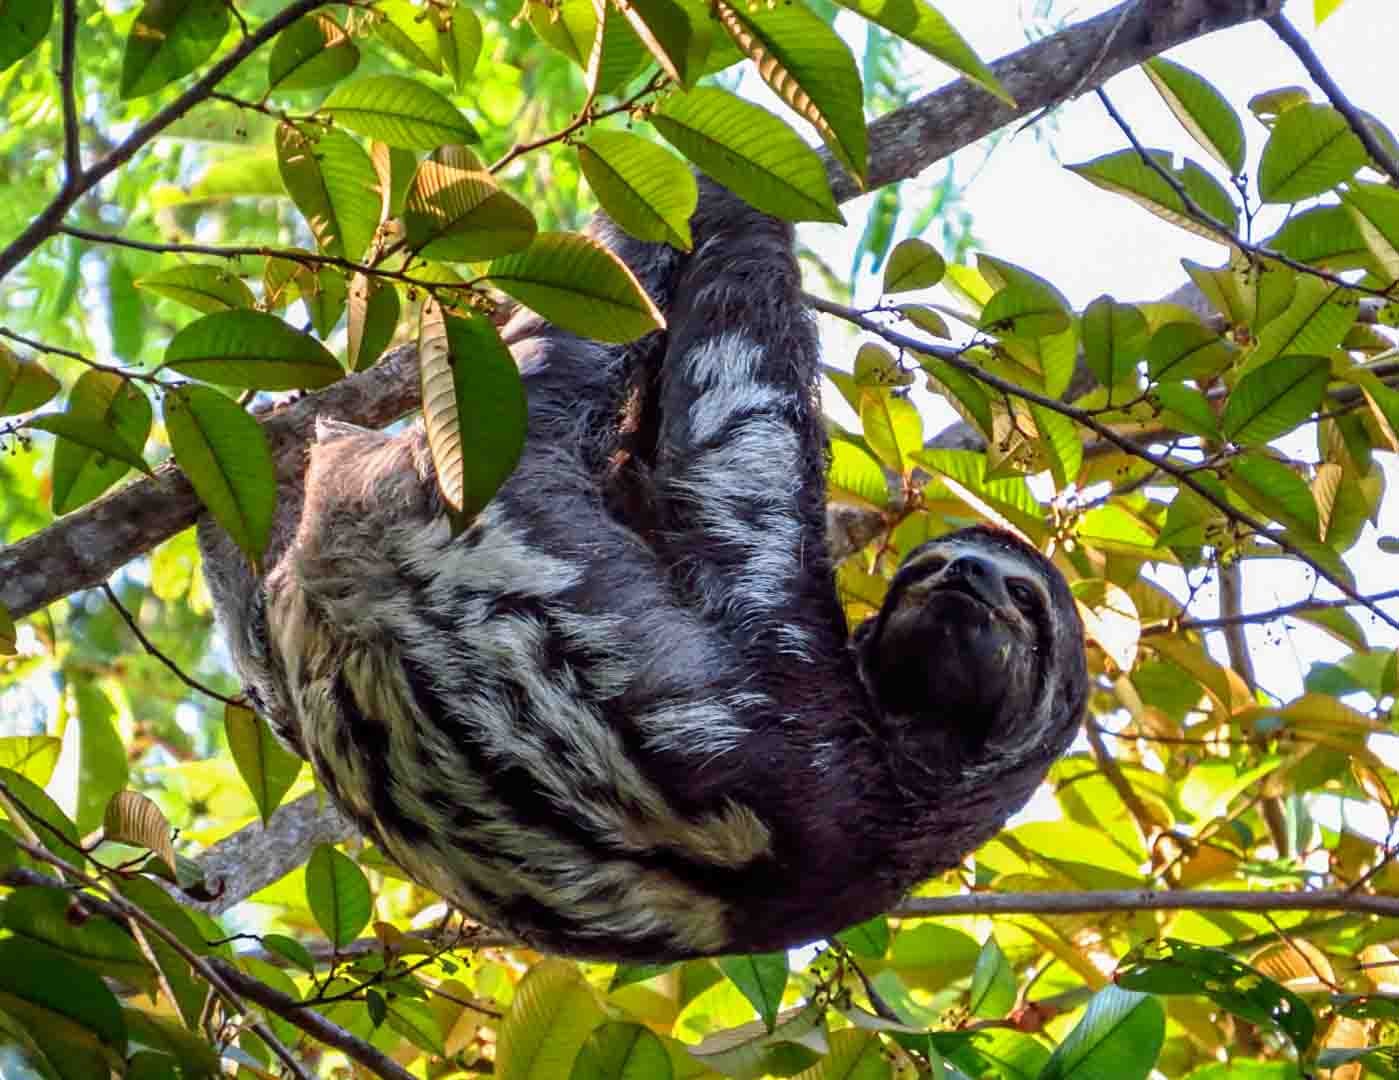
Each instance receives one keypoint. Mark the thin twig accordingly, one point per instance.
(1099, 902)
(149, 646)
(1354, 117)
(954, 358)
(1251, 617)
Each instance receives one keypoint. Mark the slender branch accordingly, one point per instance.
(1251, 617)
(67, 79)
(1379, 154)
(1183, 476)
(1134, 900)
(149, 646)
(49, 219)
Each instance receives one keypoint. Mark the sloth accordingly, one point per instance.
(620, 714)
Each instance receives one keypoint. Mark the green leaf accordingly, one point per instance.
(417, 1023)
(1188, 409)
(913, 264)
(265, 765)
(1125, 173)
(456, 211)
(252, 350)
(1311, 149)
(333, 183)
(45, 915)
(1118, 1038)
(1060, 437)
(23, 25)
(550, 1018)
(645, 189)
(571, 27)
(1023, 310)
(1177, 967)
(1273, 399)
(926, 318)
(313, 51)
(892, 426)
(407, 30)
(675, 38)
(202, 286)
(55, 829)
(459, 41)
(125, 316)
(579, 285)
(1202, 110)
(1325, 236)
(750, 151)
(338, 894)
(1114, 338)
(1273, 488)
(291, 950)
(751, 1051)
(1315, 322)
(918, 23)
(121, 411)
(622, 1051)
(374, 312)
(33, 756)
(1187, 350)
(168, 40)
(856, 477)
(474, 406)
(993, 983)
(1374, 212)
(93, 436)
(869, 939)
(762, 977)
(1010, 497)
(224, 453)
(399, 111)
(805, 62)
(24, 385)
(42, 976)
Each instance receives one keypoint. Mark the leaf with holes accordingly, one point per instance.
(168, 40)
(750, 151)
(645, 189)
(224, 453)
(1273, 399)
(252, 350)
(399, 111)
(579, 285)
(474, 406)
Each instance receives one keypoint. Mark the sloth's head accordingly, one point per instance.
(977, 651)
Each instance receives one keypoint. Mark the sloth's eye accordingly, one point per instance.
(1024, 595)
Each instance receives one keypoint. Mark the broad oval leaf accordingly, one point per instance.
(1118, 1038)
(1114, 338)
(1374, 212)
(373, 318)
(855, 477)
(456, 211)
(1059, 436)
(1187, 350)
(224, 453)
(1325, 236)
(202, 286)
(571, 27)
(23, 25)
(914, 264)
(1273, 488)
(1202, 110)
(676, 36)
(644, 188)
(24, 385)
(46, 915)
(399, 111)
(81, 472)
(333, 183)
(474, 406)
(407, 29)
(168, 40)
(579, 285)
(1021, 310)
(253, 350)
(459, 39)
(622, 1051)
(1311, 149)
(992, 991)
(42, 976)
(1316, 320)
(808, 66)
(338, 895)
(1273, 399)
(893, 428)
(313, 51)
(762, 977)
(552, 1014)
(1126, 173)
(95, 436)
(266, 766)
(750, 151)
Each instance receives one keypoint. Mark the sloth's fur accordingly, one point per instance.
(621, 715)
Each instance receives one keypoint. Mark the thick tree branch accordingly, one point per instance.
(1134, 900)
(88, 545)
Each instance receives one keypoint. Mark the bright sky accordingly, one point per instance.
(1030, 210)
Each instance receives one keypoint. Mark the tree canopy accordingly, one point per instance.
(222, 222)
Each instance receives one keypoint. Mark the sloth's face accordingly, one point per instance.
(969, 636)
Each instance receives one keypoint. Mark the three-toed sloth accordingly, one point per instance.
(621, 714)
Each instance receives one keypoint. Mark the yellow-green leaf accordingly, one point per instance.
(24, 385)
(456, 211)
(313, 51)
(333, 183)
(202, 286)
(1202, 110)
(253, 350)
(646, 190)
(168, 40)
(265, 765)
(399, 111)
(1125, 173)
(82, 472)
(338, 894)
(1311, 149)
(914, 264)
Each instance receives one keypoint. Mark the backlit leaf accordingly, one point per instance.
(338, 894)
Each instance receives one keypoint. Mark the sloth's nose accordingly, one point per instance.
(979, 577)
